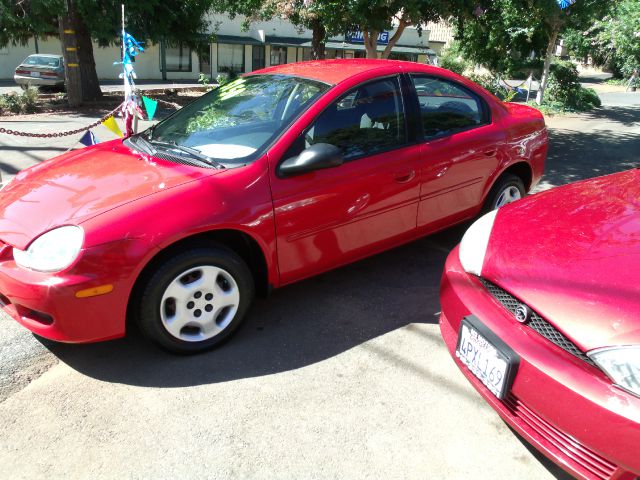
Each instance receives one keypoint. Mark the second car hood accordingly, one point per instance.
(82, 184)
(573, 255)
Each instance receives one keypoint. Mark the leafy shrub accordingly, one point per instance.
(565, 88)
(25, 102)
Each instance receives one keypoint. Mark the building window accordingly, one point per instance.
(410, 57)
(257, 57)
(230, 58)
(330, 53)
(204, 55)
(177, 57)
(278, 55)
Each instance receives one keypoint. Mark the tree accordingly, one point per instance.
(326, 18)
(372, 17)
(613, 41)
(501, 33)
(78, 22)
(322, 17)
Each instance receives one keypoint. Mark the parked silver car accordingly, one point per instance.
(40, 70)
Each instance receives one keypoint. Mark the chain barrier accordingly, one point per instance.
(8, 131)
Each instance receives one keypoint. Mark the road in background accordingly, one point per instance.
(340, 376)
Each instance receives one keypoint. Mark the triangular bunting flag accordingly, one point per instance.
(150, 106)
(111, 124)
(89, 139)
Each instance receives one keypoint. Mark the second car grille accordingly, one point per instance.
(536, 322)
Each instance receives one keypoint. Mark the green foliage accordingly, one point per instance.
(565, 88)
(147, 20)
(613, 41)
(502, 34)
(452, 59)
(24, 102)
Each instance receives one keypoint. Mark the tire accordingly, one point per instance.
(507, 189)
(196, 300)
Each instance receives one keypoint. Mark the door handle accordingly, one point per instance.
(405, 177)
(490, 153)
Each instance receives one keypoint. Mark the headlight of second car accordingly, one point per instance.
(621, 364)
(473, 246)
(52, 251)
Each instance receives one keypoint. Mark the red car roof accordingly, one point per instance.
(335, 71)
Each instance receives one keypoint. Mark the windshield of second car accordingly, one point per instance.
(237, 120)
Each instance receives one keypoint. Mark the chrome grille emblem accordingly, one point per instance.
(523, 313)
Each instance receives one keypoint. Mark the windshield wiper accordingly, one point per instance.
(191, 151)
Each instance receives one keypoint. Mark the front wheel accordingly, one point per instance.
(196, 300)
(507, 189)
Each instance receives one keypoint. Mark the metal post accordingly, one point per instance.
(529, 88)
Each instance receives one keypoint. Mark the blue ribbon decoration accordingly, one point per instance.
(564, 4)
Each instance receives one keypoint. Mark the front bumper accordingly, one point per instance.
(47, 304)
(567, 409)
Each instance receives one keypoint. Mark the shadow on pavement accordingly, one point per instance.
(627, 115)
(575, 155)
(297, 326)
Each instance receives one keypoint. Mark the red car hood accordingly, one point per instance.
(82, 184)
(573, 255)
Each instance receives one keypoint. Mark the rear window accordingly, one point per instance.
(41, 61)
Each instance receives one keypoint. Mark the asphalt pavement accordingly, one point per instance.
(340, 376)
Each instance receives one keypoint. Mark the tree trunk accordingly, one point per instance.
(547, 64)
(393, 40)
(68, 40)
(318, 39)
(371, 42)
(80, 67)
(90, 83)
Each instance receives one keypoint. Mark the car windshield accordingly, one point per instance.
(42, 61)
(235, 122)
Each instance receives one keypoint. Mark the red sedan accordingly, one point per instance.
(274, 177)
(541, 312)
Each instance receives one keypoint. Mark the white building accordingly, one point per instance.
(264, 44)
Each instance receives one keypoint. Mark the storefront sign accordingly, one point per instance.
(358, 37)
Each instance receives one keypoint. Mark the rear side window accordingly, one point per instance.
(446, 107)
(364, 121)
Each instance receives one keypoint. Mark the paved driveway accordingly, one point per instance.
(340, 376)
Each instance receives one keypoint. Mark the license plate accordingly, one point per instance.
(35, 74)
(491, 360)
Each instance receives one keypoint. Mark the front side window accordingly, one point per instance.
(446, 107)
(366, 120)
(238, 120)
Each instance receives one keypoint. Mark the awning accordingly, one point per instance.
(306, 43)
(360, 47)
(286, 41)
(236, 40)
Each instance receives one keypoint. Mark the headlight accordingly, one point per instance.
(621, 364)
(473, 246)
(52, 251)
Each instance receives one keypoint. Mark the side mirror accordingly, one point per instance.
(316, 157)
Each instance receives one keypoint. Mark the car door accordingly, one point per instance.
(332, 216)
(461, 148)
